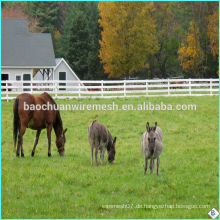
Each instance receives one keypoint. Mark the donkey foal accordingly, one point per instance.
(152, 146)
(101, 139)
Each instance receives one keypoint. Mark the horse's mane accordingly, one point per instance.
(58, 120)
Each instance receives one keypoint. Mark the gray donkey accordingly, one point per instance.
(152, 146)
(101, 139)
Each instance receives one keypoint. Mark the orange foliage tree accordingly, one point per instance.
(213, 33)
(190, 53)
(127, 37)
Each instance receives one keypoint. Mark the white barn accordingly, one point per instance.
(30, 56)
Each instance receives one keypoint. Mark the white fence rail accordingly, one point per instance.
(112, 88)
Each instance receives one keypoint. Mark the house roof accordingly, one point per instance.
(23, 49)
(59, 61)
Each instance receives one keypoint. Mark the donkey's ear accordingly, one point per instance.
(64, 131)
(155, 126)
(148, 126)
(114, 140)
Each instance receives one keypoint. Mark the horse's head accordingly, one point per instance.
(151, 137)
(111, 152)
(60, 142)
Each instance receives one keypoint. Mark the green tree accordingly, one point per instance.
(47, 14)
(77, 54)
(91, 13)
(95, 67)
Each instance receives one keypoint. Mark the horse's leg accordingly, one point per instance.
(20, 140)
(49, 129)
(35, 142)
(18, 146)
(158, 164)
(145, 169)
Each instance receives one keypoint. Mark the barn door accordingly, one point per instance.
(62, 76)
(4, 77)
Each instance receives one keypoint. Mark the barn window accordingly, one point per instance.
(26, 77)
(62, 76)
(18, 78)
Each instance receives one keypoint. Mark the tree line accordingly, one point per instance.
(128, 39)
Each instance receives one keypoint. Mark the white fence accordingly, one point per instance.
(112, 88)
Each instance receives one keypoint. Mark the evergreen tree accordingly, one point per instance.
(95, 67)
(90, 13)
(47, 14)
(77, 54)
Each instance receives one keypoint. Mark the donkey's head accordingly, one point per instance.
(151, 137)
(111, 151)
(60, 142)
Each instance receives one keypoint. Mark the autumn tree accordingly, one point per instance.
(128, 37)
(190, 53)
(213, 33)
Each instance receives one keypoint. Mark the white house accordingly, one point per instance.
(30, 56)
(22, 52)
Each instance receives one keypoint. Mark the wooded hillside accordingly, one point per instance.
(128, 39)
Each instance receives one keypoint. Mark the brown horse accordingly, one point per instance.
(27, 115)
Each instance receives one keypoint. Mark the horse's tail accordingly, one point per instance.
(16, 121)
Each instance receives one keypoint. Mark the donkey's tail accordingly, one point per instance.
(16, 121)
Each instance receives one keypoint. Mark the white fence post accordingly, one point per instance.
(55, 85)
(168, 87)
(190, 90)
(7, 90)
(79, 89)
(102, 88)
(22, 86)
(31, 87)
(210, 86)
(146, 88)
(124, 88)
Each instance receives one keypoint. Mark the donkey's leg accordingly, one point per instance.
(92, 146)
(97, 147)
(49, 129)
(102, 155)
(145, 169)
(151, 165)
(158, 164)
(102, 152)
(20, 140)
(96, 156)
(35, 142)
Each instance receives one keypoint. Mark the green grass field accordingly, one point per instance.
(68, 187)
